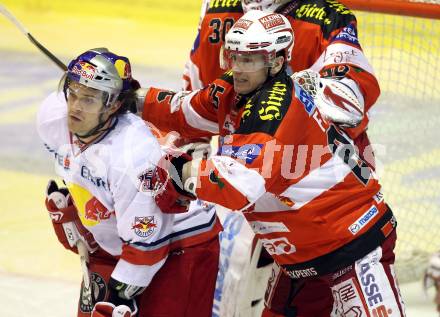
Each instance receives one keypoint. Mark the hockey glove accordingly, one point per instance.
(168, 184)
(196, 147)
(121, 300)
(65, 220)
(338, 100)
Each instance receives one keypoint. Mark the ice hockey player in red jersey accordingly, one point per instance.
(297, 177)
(326, 42)
(142, 261)
(321, 46)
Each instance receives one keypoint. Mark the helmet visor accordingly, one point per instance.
(89, 100)
(240, 61)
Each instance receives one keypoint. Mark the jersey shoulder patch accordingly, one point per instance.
(305, 99)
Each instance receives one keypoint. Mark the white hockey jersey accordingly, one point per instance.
(109, 181)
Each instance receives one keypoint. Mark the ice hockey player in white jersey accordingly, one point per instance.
(142, 261)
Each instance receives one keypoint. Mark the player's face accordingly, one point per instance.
(247, 82)
(250, 72)
(85, 106)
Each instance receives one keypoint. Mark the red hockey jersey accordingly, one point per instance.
(306, 193)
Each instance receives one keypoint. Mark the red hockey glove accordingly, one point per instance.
(65, 220)
(167, 183)
(106, 309)
(121, 300)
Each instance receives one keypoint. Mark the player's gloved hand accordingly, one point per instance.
(65, 220)
(106, 309)
(338, 100)
(196, 147)
(169, 192)
(121, 300)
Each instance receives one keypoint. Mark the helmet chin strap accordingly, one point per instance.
(96, 130)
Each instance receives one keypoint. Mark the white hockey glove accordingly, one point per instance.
(338, 100)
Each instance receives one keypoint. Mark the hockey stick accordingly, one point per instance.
(23, 30)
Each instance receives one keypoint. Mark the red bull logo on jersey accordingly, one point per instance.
(85, 70)
(144, 226)
(96, 211)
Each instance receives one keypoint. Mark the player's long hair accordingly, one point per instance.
(128, 99)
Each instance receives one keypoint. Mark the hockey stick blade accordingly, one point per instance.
(8, 15)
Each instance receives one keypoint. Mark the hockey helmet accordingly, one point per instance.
(102, 70)
(257, 32)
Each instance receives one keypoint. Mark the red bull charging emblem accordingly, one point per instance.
(85, 70)
(144, 226)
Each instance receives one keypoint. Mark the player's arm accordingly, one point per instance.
(243, 171)
(191, 114)
(344, 66)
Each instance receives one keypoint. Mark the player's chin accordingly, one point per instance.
(74, 125)
(242, 87)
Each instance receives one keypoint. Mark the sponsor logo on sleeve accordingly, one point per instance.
(363, 220)
(306, 99)
(247, 152)
(348, 35)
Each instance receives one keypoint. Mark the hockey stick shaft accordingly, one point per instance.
(23, 30)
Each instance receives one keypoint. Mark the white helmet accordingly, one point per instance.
(263, 5)
(258, 32)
